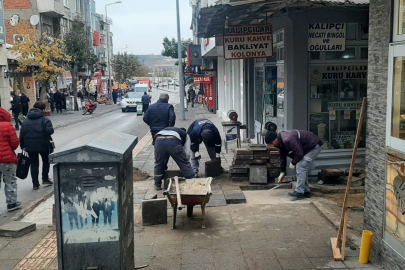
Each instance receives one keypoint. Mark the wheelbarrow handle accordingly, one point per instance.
(179, 204)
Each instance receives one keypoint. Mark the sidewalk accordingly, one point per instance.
(267, 232)
(67, 118)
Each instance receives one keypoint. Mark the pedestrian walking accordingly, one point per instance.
(146, 100)
(16, 109)
(172, 142)
(160, 115)
(47, 101)
(303, 147)
(58, 101)
(64, 95)
(8, 160)
(203, 130)
(35, 137)
(191, 95)
(80, 95)
(25, 101)
(52, 101)
(115, 96)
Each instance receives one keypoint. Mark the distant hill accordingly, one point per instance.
(156, 61)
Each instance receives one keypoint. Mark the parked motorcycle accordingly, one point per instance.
(89, 107)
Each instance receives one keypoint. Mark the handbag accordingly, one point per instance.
(23, 165)
(51, 145)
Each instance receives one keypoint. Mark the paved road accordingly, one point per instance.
(124, 122)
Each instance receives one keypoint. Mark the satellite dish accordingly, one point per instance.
(34, 20)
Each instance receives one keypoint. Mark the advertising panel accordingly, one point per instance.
(338, 72)
(202, 80)
(326, 37)
(96, 38)
(395, 200)
(248, 41)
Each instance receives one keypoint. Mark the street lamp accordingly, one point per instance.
(108, 48)
(182, 112)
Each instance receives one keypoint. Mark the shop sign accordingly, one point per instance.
(317, 118)
(345, 139)
(202, 79)
(326, 37)
(96, 38)
(344, 105)
(338, 72)
(231, 133)
(248, 41)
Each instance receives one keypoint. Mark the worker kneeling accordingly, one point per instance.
(303, 147)
(172, 142)
(203, 130)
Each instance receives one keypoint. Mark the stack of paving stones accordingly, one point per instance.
(257, 164)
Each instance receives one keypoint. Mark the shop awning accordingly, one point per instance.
(121, 85)
(212, 19)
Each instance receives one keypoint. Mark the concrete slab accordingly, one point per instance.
(16, 229)
(154, 212)
(235, 198)
(258, 174)
(213, 168)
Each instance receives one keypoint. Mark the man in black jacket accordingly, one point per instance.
(172, 142)
(16, 109)
(35, 139)
(203, 130)
(160, 115)
(191, 95)
(57, 97)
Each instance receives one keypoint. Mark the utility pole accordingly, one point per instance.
(182, 112)
(108, 51)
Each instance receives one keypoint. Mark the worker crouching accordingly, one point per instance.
(203, 130)
(172, 142)
(303, 147)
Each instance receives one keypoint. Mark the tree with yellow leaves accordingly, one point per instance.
(45, 52)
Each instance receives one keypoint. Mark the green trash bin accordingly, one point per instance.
(139, 107)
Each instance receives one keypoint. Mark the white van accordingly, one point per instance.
(141, 87)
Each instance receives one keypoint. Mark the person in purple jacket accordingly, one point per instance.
(302, 147)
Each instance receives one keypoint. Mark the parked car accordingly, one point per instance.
(164, 84)
(128, 103)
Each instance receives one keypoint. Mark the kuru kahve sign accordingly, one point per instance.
(248, 41)
(326, 37)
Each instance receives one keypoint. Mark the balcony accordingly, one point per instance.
(51, 8)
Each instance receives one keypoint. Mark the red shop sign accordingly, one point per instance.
(202, 79)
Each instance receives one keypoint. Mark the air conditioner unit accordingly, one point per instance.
(18, 38)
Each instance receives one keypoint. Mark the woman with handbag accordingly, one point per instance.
(8, 160)
(35, 139)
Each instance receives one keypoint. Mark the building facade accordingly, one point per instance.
(53, 17)
(384, 212)
(313, 88)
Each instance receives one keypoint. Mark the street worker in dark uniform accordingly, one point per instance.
(203, 130)
(160, 115)
(302, 147)
(172, 142)
(145, 102)
(191, 95)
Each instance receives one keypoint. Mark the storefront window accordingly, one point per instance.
(349, 53)
(401, 17)
(270, 94)
(336, 94)
(398, 99)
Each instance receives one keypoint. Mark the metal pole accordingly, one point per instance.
(182, 112)
(108, 55)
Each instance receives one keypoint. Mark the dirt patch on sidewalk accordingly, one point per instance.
(140, 175)
(354, 200)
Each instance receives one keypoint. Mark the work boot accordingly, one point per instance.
(296, 196)
(47, 182)
(307, 194)
(16, 127)
(13, 206)
(158, 188)
(35, 187)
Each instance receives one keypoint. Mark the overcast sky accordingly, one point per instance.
(142, 24)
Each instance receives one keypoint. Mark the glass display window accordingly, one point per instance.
(336, 94)
(259, 86)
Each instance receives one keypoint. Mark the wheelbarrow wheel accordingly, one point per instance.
(190, 210)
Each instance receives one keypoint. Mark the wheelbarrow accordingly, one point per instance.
(189, 193)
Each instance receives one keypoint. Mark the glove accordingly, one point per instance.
(281, 177)
(291, 166)
(197, 155)
(218, 155)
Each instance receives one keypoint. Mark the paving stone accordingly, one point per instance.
(248, 157)
(262, 263)
(261, 155)
(217, 203)
(150, 196)
(16, 229)
(7, 264)
(353, 262)
(237, 162)
(258, 174)
(154, 212)
(316, 252)
(257, 147)
(289, 252)
(295, 263)
(243, 151)
(239, 179)
(197, 257)
(13, 254)
(213, 168)
(140, 191)
(237, 170)
(327, 262)
(205, 266)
